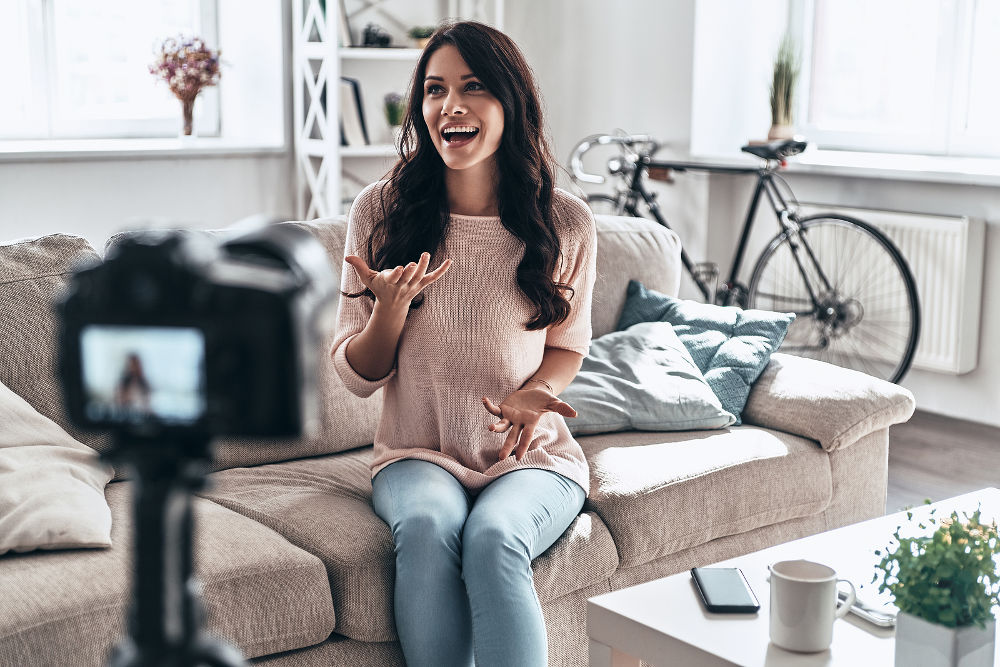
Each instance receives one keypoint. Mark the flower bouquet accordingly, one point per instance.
(187, 65)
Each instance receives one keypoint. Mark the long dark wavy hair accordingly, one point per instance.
(414, 205)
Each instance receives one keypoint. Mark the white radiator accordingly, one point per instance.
(946, 257)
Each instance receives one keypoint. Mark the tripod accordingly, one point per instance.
(166, 615)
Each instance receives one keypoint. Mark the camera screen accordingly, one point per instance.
(133, 373)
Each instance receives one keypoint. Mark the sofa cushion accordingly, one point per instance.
(68, 608)
(631, 249)
(642, 378)
(659, 493)
(730, 345)
(33, 274)
(346, 421)
(323, 505)
(51, 486)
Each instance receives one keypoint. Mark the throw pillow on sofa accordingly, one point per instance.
(731, 346)
(51, 486)
(642, 379)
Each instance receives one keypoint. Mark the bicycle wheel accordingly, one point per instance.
(606, 204)
(852, 291)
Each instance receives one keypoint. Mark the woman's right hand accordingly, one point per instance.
(397, 287)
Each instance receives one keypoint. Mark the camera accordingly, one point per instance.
(174, 339)
(179, 334)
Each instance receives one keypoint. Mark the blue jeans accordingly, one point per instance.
(464, 590)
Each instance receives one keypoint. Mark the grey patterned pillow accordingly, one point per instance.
(642, 378)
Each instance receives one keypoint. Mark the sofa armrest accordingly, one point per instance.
(827, 403)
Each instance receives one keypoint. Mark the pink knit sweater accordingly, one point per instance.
(467, 341)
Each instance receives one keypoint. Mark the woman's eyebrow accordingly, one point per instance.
(439, 78)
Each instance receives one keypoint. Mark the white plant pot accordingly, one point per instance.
(920, 643)
(781, 132)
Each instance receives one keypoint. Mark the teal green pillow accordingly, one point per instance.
(731, 346)
(642, 379)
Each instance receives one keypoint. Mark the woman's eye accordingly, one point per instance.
(432, 90)
(475, 85)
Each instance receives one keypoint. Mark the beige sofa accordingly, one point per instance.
(298, 570)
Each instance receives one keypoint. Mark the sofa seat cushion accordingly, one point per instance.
(323, 505)
(659, 493)
(69, 607)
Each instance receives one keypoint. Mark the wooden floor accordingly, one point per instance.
(936, 457)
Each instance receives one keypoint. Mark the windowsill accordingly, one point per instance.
(888, 166)
(90, 149)
(893, 166)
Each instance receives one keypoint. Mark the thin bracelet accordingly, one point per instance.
(551, 390)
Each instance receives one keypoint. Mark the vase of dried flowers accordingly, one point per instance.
(187, 65)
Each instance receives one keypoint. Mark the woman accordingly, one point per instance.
(474, 468)
(132, 390)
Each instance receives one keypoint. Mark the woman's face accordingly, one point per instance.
(464, 120)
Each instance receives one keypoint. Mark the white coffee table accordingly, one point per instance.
(663, 622)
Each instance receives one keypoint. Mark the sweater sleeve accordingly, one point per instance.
(578, 238)
(353, 314)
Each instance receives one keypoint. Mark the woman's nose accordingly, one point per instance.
(452, 105)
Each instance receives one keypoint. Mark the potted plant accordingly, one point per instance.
(422, 34)
(395, 109)
(785, 76)
(945, 586)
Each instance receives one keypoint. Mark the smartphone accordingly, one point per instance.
(724, 590)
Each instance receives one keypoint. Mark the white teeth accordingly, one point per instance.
(459, 128)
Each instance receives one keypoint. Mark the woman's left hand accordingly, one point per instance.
(519, 414)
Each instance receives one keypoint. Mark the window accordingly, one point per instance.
(79, 68)
(902, 76)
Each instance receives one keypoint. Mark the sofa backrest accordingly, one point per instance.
(631, 249)
(32, 274)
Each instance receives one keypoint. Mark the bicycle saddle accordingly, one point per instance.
(776, 150)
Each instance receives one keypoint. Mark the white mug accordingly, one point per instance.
(804, 605)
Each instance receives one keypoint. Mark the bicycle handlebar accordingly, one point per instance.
(626, 141)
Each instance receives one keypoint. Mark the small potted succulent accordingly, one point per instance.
(421, 34)
(395, 109)
(785, 76)
(945, 586)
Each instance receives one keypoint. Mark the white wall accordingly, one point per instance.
(96, 198)
(604, 65)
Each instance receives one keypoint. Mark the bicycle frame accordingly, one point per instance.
(732, 290)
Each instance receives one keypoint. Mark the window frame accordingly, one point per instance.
(42, 123)
(948, 136)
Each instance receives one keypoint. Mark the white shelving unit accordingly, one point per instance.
(330, 175)
(364, 53)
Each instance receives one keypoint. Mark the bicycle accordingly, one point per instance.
(852, 291)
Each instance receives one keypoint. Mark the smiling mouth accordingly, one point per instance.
(459, 136)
